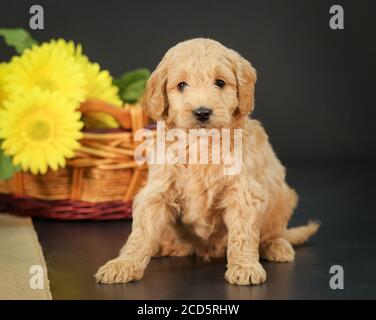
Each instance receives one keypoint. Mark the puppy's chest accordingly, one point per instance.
(201, 195)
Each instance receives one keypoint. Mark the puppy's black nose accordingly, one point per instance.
(202, 114)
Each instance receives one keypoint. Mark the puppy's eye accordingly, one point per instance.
(182, 85)
(220, 83)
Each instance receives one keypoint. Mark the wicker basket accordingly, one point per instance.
(99, 183)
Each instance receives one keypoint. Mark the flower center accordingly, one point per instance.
(38, 130)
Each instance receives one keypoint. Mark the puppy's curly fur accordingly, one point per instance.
(196, 209)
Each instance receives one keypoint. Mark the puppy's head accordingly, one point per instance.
(200, 84)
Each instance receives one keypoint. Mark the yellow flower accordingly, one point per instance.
(3, 73)
(50, 66)
(99, 86)
(40, 130)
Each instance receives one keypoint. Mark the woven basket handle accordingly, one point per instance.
(121, 115)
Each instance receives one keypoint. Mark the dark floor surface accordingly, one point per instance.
(341, 197)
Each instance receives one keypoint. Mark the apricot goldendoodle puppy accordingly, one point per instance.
(196, 208)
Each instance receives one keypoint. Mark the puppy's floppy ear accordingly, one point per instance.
(246, 79)
(155, 101)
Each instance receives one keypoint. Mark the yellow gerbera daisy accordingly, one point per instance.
(40, 130)
(99, 86)
(3, 73)
(50, 66)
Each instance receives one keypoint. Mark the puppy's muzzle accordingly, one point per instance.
(202, 114)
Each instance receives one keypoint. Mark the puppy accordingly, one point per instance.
(196, 208)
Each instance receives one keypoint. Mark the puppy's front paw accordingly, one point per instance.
(118, 271)
(241, 275)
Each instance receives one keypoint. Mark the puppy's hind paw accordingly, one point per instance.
(245, 275)
(118, 271)
(279, 250)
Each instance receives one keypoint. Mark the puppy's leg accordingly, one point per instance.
(149, 220)
(273, 245)
(243, 220)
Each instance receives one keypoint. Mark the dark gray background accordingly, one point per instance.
(315, 93)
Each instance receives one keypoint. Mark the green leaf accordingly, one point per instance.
(133, 92)
(18, 38)
(132, 85)
(7, 169)
(132, 76)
